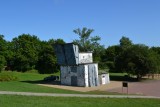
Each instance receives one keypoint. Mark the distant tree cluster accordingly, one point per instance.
(134, 59)
(27, 52)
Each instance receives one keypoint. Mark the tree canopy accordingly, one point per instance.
(28, 52)
(88, 43)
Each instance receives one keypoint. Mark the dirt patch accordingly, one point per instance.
(111, 85)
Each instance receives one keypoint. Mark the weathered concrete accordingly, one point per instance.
(104, 78)
(85, 58)
(81, 75)
(67, 54)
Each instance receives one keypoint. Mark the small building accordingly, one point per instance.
(104, 78)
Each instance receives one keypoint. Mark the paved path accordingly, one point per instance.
(73, 95)
(148, 88)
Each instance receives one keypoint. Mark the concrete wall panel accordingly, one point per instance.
(85, 58)
(67, 54)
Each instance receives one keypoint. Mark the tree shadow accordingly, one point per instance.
(123, 78)
(42, 82)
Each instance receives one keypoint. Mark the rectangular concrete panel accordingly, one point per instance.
(67, 54)
(93, 75)
(85, 58)
(69, 73)
(60, 54)
(71, 54)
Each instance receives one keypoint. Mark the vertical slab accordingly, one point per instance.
(86, 75)
(71, 54)
(60, 53)
(93, 75)
(65, 75)
(67, 54)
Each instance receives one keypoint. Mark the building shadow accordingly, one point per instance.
(42, 82)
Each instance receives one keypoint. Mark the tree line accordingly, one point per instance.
(27, 52)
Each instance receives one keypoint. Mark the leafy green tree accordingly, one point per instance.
(3, 49)
(125, 43)
(87, 42)
(26, 49)
(111, 53)
(110, 56)
(47, 60)
(84, 36)
(137, 60)
(52, 42)
(3, 45)
(154, 58)
(156, 49)
(9, 56)
(2, 62)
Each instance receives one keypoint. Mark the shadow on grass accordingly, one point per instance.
(43, 82)
(122, 78)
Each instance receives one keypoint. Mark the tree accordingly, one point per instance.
(154, 58)
(109, 57)
(3, 49)
(125, 43)
(84, 42)
(26, 49)
(52, 42)
(2, 62)
(111, 53)
(136, 60)
(47, 60)
(88, 43)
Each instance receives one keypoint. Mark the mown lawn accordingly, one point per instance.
(27, 82)
(33, 101)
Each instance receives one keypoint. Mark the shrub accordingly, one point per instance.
(33, 71)
(102, 65)
(6, 76)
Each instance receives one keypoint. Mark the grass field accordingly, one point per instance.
(33, 101)
(27, 82)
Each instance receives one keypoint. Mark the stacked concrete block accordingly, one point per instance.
(67, 54)
(85, 58)
(77, 69)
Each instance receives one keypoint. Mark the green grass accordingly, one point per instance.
(33, 101)
(4, 76)
(27, 82)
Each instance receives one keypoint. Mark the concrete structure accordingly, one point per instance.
(67, 54)
(77, 69)
(85, 58)
(104, 78)
(85, 75)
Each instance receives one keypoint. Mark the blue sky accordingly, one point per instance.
(111, 19)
